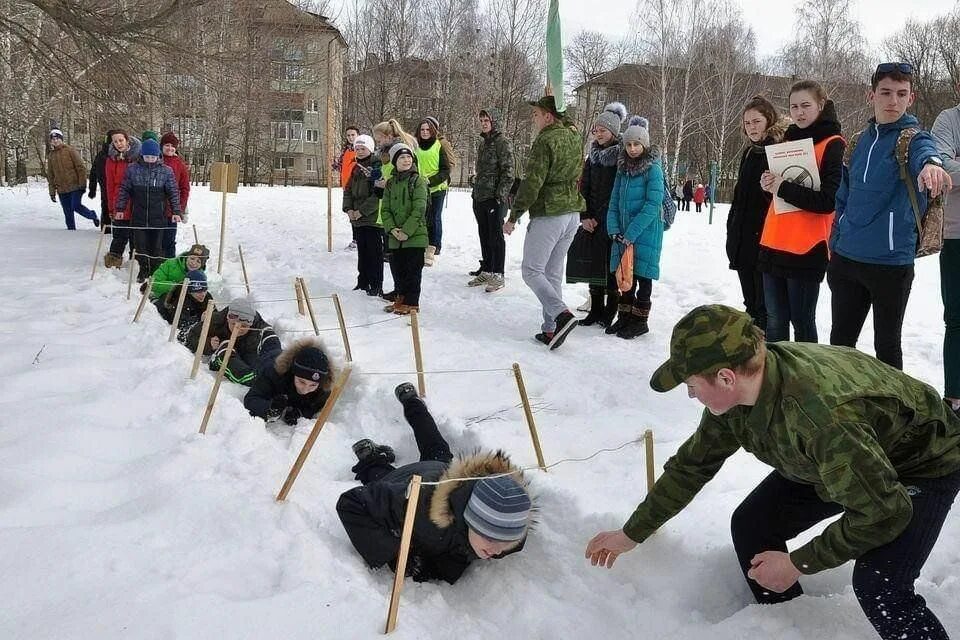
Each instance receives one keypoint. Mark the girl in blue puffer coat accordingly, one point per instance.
(634, 219)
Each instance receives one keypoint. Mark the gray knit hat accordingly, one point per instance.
(638, 131)
(242, 309)
(397, 149)
(498, 509)
(611, 118)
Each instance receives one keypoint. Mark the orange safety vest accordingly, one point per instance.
(798, 232)
(346, 166)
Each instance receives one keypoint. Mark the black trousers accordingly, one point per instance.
(431, 444)
(639, 293)
(686, 203)
(407, 266)
(121, 235)
(751, 284)
(779, 509)
(611, 288)
(855, 287)
(149, 246)
(369, 257)
(493, 248)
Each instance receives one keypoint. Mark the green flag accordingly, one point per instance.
(555, 55)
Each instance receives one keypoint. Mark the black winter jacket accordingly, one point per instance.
(98, 174)
(360, 194)
(253, 351)
(812, 265)
(277, 381)
(373, 516)
(148, 187)
(596, 181)
(191, 313)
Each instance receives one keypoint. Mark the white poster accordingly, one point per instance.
(795, 162)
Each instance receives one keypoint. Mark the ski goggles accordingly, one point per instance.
(241, 318)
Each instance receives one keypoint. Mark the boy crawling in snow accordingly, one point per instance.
(296, 386)
(456, 522)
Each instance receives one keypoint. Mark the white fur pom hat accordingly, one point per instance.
(611, 118)
(638, 131)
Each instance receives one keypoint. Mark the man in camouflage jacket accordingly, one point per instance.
(491, 187)
(845, 433)
(549, 192)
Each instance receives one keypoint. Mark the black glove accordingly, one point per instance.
(619, 238)
(92, 194)
(277, 405)
(53, 198)
(291, 415)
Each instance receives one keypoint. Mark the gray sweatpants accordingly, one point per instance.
(544, 251)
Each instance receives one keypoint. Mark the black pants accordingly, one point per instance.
(431, 444)
(686, 203)
(407, 266)
(699, 205)
(609, 289)
(435, 218)
(855, 287)
(369, 257)
(639, 293)
(493, 247)
(120, 230)
(751, 284)
(149, 246)
(778, 510)
(169, 242)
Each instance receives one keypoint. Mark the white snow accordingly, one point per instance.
(117, 520)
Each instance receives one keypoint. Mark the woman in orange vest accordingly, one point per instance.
(793, 246)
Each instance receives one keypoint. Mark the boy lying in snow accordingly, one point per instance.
(456, 522)
(297, 385)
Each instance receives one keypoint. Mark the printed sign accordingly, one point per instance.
(795, 162)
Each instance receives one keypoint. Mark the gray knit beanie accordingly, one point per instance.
(498, 509)
(638, 131)
(611, 118)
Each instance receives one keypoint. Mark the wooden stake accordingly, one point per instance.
(130, 276)
(306, 298)
(216, 382)
(196, 239)
(648, 441)
(96, 257)
(312, 438)
(204, 330)
(412, 498)
(223, 214)
(343, 327)
(176, 315)
(529, 415)
(329, 165)
(417, 354)
(243, 266)
(301, 309)
(143, 299)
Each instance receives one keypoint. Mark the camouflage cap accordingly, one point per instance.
(548, 104)
(707, 337)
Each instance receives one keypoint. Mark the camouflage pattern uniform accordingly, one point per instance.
(859, 433)
(549, 187)
(494, 166)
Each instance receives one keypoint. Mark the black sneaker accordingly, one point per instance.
(543, 338)
(366, 449)
(390, 296)
(566, 322)
(477, 272)
(405, 391)
(374, 292)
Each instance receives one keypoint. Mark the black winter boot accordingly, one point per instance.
(596, 310)
(623, 317)
(638, 325)
(610, 309)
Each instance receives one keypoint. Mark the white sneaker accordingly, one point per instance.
(585, 306)
(494, 283)
(483, 278)
(352, 246)
(429, 256)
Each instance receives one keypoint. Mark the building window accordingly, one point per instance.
(281, 130)
(313, 135)
(287, 71)
(283, 162)
(311, 165)
(313, 106)
(296, 131)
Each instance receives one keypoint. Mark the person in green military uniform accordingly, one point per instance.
(845, 433)
(491, 182)
(549, 192)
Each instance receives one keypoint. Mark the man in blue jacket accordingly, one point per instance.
(874, 237)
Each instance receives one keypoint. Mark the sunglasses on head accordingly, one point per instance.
(236, 318)
(889, 67)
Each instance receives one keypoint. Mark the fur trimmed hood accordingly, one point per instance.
(775, 133)
(636, 166)
(477, 465)
(131, 155)
(605, 156)
(285, 360)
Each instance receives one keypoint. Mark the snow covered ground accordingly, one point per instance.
(117, 520)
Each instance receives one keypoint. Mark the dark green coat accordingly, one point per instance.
(405, 205)
(832, 417)
(493, 172)
(359, 194)
(549, 187)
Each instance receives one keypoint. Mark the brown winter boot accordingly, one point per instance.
(397, 302)
(623, 317)
(112, 260)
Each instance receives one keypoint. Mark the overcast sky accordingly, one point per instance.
(878, 18)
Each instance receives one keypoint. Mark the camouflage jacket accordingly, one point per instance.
(832, 417)
(550, 186)
(494, 168)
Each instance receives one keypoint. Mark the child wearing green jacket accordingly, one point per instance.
(172, 271)
(403, 214)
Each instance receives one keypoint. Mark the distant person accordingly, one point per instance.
(492, 182)
(699, 196)
(124, 150)
(98, 180)
(181, 173)
(67, 177)
(687, 194)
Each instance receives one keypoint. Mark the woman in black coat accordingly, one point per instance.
(296, 386)
(762, 126)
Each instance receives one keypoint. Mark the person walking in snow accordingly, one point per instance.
(124, 151)
(687, 194)
(256, 346)
(181, 173)
(98, 180)
(846, 434)
(434, 163)
(194, 303)
(492, 180)
(699, 196)
(549, 192)
(589, 256)
(67, 177)
(362, 206)
(762, 126)
(459, 521)
(296, 386)
(678, 194)
(635, 224)
(149, 186)
(403, 213)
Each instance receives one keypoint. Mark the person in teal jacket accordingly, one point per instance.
(634, 219)
(403, 212)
